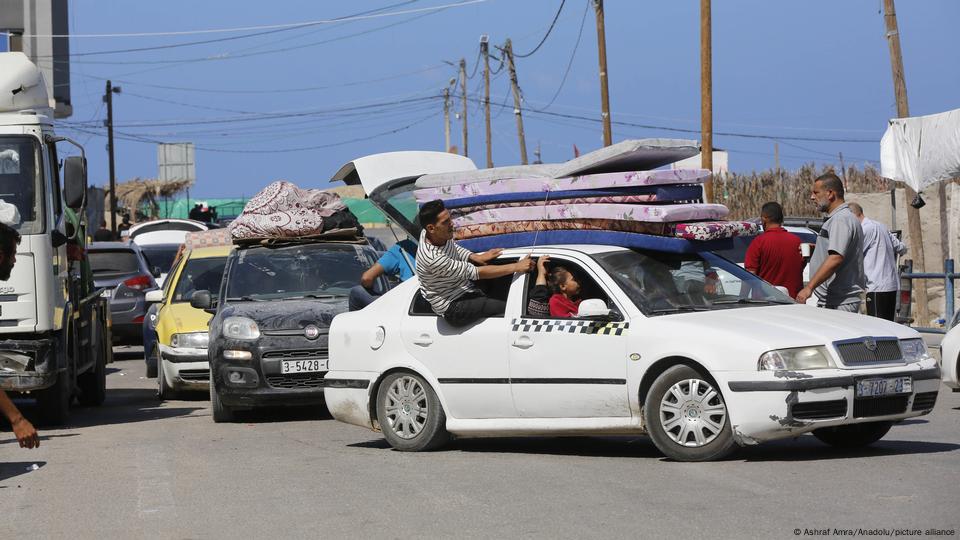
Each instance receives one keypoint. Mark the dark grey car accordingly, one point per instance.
(122, 271)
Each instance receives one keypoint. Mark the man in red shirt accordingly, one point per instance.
(775, 254)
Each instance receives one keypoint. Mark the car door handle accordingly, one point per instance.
(424, 340)
(523, 342)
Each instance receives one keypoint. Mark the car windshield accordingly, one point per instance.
(300, 271)
(115, 262)
(199, 275)
(661, 283)
(160, 255)
(21, 181)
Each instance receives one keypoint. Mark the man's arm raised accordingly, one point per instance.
(492, 271)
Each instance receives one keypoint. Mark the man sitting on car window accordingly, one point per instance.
(447, 271)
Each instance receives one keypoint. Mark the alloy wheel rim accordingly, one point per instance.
(692, 413)
(406, 407)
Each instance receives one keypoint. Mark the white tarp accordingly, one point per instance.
(922, 150)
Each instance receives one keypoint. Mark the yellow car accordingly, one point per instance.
(181, 329)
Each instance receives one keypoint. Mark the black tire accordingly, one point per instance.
(151, 360)
(93, 383)
(697, 421)
(164, 391)
(853, 435)
(221, 412)
(421, 399)
(53, 404)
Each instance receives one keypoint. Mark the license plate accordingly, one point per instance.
(884, 387)
(303, 366)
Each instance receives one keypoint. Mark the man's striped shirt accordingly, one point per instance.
(445, 273)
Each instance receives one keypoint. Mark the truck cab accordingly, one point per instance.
(52, 326)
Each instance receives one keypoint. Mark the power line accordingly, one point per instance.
(545, 36)
(285, 26)
(572, 56)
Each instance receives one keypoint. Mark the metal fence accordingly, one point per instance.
(948, 276)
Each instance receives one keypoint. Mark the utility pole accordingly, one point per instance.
(508, 50)
(776, 155)
(706, 98)
(108, 99)
(604, 92)
(843, 169)
(463, 89)
(485, 51)
(446, 119)
(903, 111)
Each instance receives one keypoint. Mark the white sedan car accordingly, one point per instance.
(655, 350)
(950, 354)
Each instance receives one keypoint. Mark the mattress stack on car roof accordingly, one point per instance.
(283, 212)
(614, 195)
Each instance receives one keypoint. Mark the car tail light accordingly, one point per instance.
(138, 319)
(138, 282)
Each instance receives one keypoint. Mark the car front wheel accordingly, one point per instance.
(853, 435)
(410, 413)
(686, 416)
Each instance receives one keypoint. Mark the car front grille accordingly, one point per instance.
(859, 352)
(882, 406)
(297, 354)
(924, 400)
(819, 410)
(296, 380)
(195, 374)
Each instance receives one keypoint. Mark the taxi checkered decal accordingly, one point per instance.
(570, 326)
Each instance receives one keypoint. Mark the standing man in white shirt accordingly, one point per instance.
(880, 251)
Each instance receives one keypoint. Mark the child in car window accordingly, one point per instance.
(565, 301)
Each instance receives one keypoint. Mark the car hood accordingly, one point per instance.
(288, 314)
(774, 327)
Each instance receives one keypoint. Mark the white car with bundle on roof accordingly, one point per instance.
(699, 371)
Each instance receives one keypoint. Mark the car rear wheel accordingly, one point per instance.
(151, 359)
(221, 413)
(853, 435)
(410, 413)
(686, 416)
(93, 383)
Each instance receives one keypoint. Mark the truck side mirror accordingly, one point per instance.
(74, 181)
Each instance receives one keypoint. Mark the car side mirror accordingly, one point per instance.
(156, 271)
(201, 300)
(74, 182)
(58, 238)
(596, 309)
(153, 297)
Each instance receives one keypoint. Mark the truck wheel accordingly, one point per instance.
(410, 413)
(686, 416)
(93, 384)
(221, 413)
(853, 435)
(53, 403)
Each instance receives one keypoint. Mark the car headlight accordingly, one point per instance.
(796, 359)
(914, 350)
(240, 328)
(192, 340)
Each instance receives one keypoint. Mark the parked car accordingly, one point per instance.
(160, 256)
(700, 371)
(163, 231)
(268, 339)
(124, 274)
(181, 350)
(950, 354)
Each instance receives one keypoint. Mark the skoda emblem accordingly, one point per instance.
(311, 332)
(870, 344)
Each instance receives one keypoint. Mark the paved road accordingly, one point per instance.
(136, 468)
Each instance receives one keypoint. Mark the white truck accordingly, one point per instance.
(54, 327)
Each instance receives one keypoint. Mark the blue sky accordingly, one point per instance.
(814, 70)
